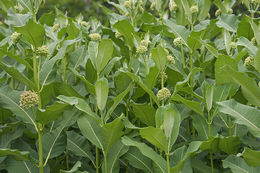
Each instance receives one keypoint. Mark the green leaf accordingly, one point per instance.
(105, 51)
(185, 5)
(148, 152)
(171, 125)
(111, 133)
(73, 169)
(209, 96)
(127, 30)
(251, 157)
(193, 147)
(227, 39)
(27, 5)
(211, 144)
(47, 18)
(193, 105)
(159, 57)
(80, 104)
(212, 50)
(16, 19)
(249, 87)
(34, 33)
(18, 155)
(229, 145)
(155, 136)
(55, 141)
(139, 81)
(113, 155)
(238, 165)
(228, 21)
(138, 160)
(51, 112)
(144, 112)
(17, 75)
(242, 41)
(79, 146)
(244, 115)
(257, 60)
(10, 100)
(117, 100)
(91, 130)
(101, 88)
(204, 7)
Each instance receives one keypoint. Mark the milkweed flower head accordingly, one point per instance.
(29, 99)
(163, 94)
(95, 37)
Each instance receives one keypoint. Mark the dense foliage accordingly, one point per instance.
(159, 86)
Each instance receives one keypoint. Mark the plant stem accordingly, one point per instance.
(67, 160)
(40, 151)
(229, 126)
(36, 81)
(168, 163)
(102, 118)
(183, 58)
(209, 123)
(188, 126)
(211, 162)
(105, 160)
(191, 67)
(97, 160)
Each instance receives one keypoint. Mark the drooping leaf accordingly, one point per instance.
(243, 114)
(251, 157)
(101, 88)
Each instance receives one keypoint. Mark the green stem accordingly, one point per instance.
(191, 67)
(67, 160)
(40, 151)
(209, 124)
(97, 160)
(183, 58)
(211, 163)
(229, 126)
(36, 81)
(168, 163)
(105, 161)
(102, 118)
(146, 66)
(188, 126)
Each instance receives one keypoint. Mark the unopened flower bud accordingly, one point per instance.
(141, 49)
(174, 7)
(209, 15)
(218, 12)
(128, 4)
(233, 45)
(152, 6)
(141, 9)
(144, 43)
(95, 37)
(164, 76)
(55, 27)
(117, 34)
(170, 59)
(84, 23)
(28, 99)
(230, 11)
(194, 9)
(15, 37)
(253, 40)
(177, 41)
(249, 61)
(42, 51)
(259, 83)
(163, 94)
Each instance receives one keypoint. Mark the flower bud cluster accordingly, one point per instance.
(170, 59)
(42, 51)
(194, 9)
(253, 40)
(230, 11)
(249, 61)
(233, 45)
(55, 27)
(177, 42)
(84, 23)
(164, 76)
(218, 12)
(163, 94)
(142, 48)
(95, 37)
(16, 37)
(128, 4)
(174, 7)
(28, 99)
(118, 34)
